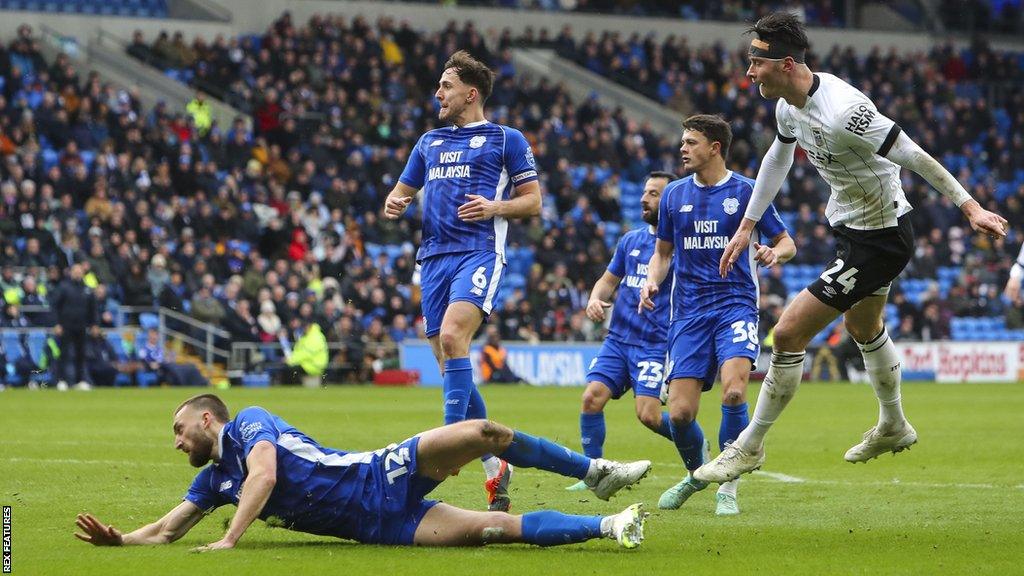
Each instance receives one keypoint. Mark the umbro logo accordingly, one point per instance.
(686, 208)
(437, 142)
(635, 253)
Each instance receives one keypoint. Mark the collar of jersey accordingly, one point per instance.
(470, 125)
(815, 84)
(220, 441)
(728, 175)
(651, 230)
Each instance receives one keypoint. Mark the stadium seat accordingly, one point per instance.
(147, 379)
(149, 320)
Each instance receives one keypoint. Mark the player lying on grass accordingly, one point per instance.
(272, 471)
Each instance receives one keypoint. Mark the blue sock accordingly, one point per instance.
(533, 452)
(689, 440)
(458, 385)
(666, 426)
(550, 528)
(734, 420)
(592, 434)
(476, 409)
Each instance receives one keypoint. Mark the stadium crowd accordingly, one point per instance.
(267, 231)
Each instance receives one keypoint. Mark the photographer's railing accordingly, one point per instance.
(207, 342)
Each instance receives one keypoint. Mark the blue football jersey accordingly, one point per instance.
(481, 158)
(629, 262)
(319, 490)
(699, 221)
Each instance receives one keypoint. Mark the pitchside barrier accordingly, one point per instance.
(558, 364)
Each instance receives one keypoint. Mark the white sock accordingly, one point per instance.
(606, 527)
(729, 487)
(882, 364)
(592, 473)
(778, 388)
(492, 466)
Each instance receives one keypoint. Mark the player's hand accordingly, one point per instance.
(477, 209)
(733, 250)
(1013, 290)
(647, 294)
(221, 544)
(596, 308)
(983, 221)
(765, 255)
(394, 207)
(96, 533)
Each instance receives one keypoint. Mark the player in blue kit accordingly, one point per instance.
(633, 354)
(272, 471)
(714, 319)
(475, 175)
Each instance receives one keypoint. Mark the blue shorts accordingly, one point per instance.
(700, 343)
(399, 492)
(459, 276)
(622, 366)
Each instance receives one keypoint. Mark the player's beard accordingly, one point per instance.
(651, 217)
(201, 451)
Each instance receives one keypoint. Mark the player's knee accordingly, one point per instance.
(788, 338)
(864, 332)
(493, 435)
(682, 415)
(734, 395)
(593, 401)
(500, 527)
(650, 418)
(450, 342)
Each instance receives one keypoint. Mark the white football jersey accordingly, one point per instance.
(847, 138)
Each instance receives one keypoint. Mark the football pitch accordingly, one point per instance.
(952, 505)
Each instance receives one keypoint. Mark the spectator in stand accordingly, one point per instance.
(494, 368)
(75, 309)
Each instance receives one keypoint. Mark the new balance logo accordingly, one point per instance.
(225, 485)
(686, 208)
(436, 143)
(635, 253)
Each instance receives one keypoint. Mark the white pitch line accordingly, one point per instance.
(786, 478)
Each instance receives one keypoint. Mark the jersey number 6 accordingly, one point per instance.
(846, 279)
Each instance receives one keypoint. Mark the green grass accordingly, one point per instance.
(952, 505)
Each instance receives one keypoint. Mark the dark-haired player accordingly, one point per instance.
(714, 320)
(859, 152)
(632, 356)
(272, 471)
(475, 175)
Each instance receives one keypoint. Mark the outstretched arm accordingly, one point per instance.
(172, 526)
(259, 483)
(908, 154)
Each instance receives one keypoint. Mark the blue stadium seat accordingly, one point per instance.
(149, 320)
(258, 380)
(147, 379)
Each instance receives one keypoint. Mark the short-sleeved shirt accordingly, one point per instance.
(699, 221)
(481, 158)
(629, 262)
(847, 139)
(319, 490)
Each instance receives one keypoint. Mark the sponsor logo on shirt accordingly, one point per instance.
(437, 142)
(249, 430)
(686, 208)
(529, 158)
(860, 120)
(819, 136)
(477, 141)
(731, 205)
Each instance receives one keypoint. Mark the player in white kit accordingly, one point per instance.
(1016, 275)
(859, 152)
